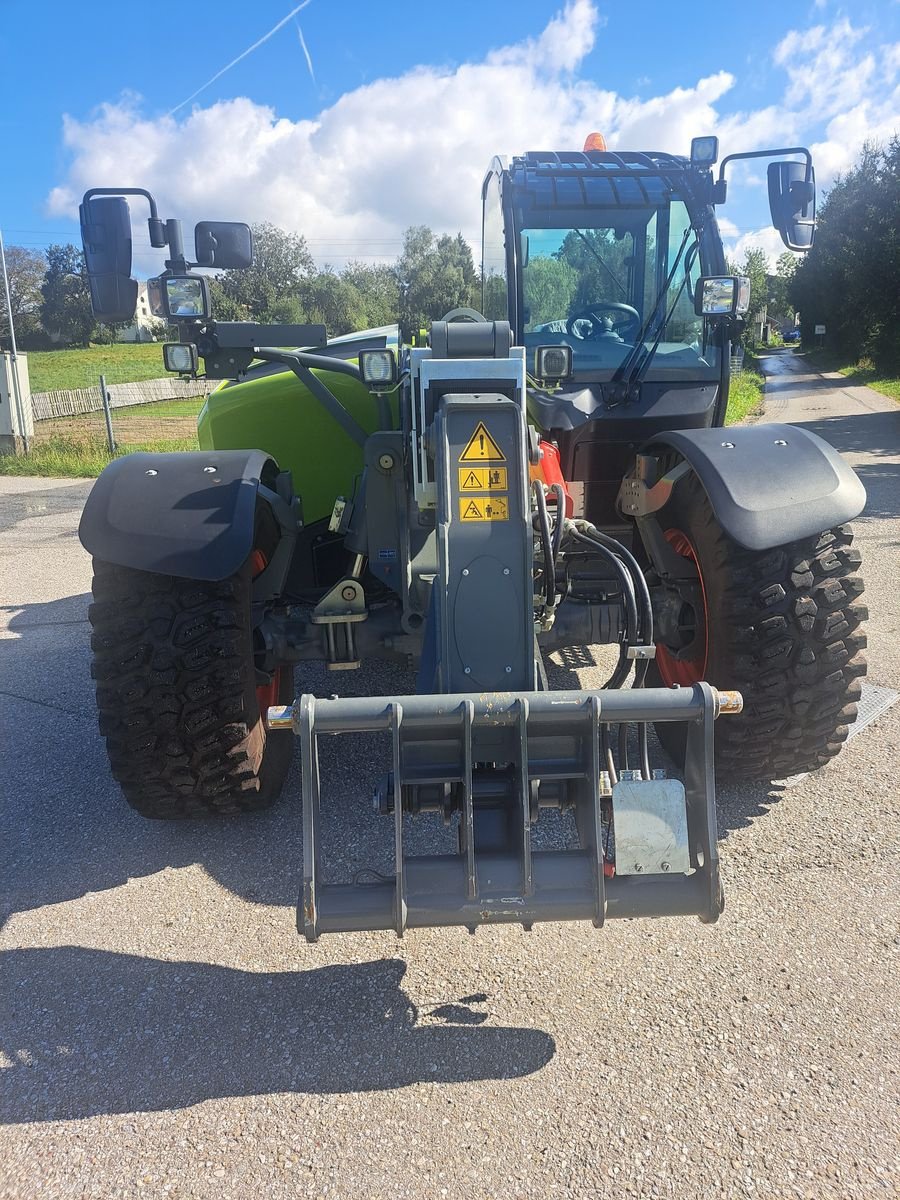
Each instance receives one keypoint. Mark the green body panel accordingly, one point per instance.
(278, 414)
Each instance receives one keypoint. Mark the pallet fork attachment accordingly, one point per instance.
(505, 756)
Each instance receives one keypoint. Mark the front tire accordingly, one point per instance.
(177, 694)
(782, 626)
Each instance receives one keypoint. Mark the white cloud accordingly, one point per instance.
(353, 177)
(767, 239)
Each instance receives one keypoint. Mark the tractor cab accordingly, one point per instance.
(610, 269)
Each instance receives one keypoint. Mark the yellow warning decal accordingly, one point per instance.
(484, 508)
(482, 479)
(482, 447)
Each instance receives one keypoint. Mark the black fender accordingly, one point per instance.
(768, 484)
(187, 513)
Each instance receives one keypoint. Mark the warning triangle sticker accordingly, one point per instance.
(482, 447)
(473, 482)
(472, 513)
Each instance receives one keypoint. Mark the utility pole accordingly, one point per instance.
(12, 339)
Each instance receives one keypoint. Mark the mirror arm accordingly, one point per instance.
(157, 227)
(720, 182)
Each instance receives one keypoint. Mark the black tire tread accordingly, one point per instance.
(176, 696)
(787, 627)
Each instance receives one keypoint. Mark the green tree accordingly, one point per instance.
(223, 305)
(600, 261)
(65, 297)
(756, 267)
(781, 306)
(379, 289)
(25, 269)
(435, 274)
(281, 262)
(848, 281)
(331, 300)
(549, 290)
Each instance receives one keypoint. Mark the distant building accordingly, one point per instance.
(146, 327)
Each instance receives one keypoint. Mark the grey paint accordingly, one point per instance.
(769, 484)
(187, 513)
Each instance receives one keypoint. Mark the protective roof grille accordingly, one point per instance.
(573, 179)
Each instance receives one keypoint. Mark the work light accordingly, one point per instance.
(180, 357)
(378, 368)
(554, 362)
(704, 151)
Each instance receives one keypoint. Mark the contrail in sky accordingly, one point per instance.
(265, 37)
(306, 55)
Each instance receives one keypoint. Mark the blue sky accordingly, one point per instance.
(393, 117)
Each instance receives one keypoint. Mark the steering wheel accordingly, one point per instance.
(463, 314)
(628, 318)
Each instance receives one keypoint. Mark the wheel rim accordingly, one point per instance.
(672, 668)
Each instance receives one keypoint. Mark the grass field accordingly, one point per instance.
(66, 458)
(865, 371)
(745, 395)
(55, 370)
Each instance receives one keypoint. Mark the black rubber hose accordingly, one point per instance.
(623, 747)
(546, 544)
(607, 754)
(560, 495)
(632, 621)
(634, 566)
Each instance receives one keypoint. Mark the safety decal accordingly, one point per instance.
(482, 479)
(484, 508)
(482, 448)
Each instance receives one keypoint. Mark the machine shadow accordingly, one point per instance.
(131, 1034)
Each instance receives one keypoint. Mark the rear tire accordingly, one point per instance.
(783, 628)
(177, 694)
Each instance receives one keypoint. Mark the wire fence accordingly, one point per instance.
(150, 414)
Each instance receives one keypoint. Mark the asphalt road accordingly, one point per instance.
(163, 1032)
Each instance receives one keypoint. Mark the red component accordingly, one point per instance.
(552, 473)
(684, 671)
(609, 869)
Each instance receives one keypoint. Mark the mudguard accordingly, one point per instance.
(769, 484)
(188, 513)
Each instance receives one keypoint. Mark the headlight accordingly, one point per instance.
(180, 357)
(553, 362)
(378, 368)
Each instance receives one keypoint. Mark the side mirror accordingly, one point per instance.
(526, 249)
(185, 297)
(106, 238)
(722, 296)
(223, 244)
(792, 203)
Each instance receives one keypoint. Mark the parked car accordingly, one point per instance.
(792, 335)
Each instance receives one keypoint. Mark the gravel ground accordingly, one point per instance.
(165, 1033)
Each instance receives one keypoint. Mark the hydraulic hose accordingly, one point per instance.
(632, 620)
(637, 574)
(559, 527)
(642, 632)
(546, 545)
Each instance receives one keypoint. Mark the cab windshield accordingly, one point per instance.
(594, 286)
